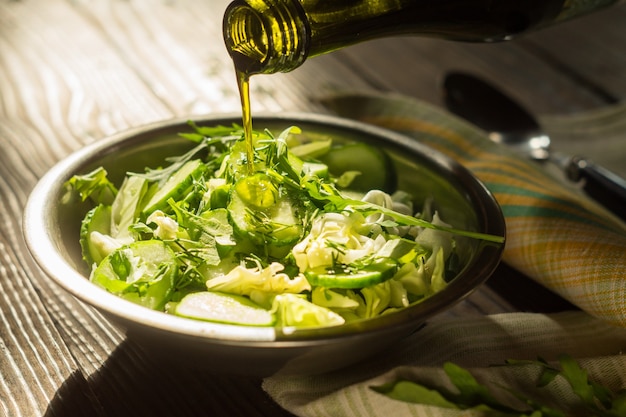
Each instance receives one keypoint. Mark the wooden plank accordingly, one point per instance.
(177, 53)
(589, 51)
(35, 362)
(419, 66)
(180, 56)
(63, 79)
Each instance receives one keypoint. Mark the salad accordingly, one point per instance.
(312, 233)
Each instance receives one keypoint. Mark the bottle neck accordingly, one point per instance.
(266, 36)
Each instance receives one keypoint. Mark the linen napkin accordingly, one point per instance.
(475, 344)
(555, 234)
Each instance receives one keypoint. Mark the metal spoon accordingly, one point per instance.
(509, 123)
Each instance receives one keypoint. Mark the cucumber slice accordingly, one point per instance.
(98, 219)
(262, 215)
(219, 197)
(378, 271)
(308, 167)
(223, 308)
(176, 186)
(377, 170)
(257, 191)
(142, 272)
(402, 250)
(315, 168)
(313, 149)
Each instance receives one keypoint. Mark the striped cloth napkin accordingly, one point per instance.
(555, 235)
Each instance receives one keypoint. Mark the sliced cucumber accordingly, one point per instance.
(378, 271)
(98, 219)
(257, 191)
(315, 168)
(308, 167)
(313, 149)
(376, 169)
(219, 197)
(402, 250)
(176, 186)
(262, 215)
(142, 272)
(223, 308)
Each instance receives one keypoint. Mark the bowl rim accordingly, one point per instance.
(37, 217)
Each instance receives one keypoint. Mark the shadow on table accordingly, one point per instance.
(524, 294)
(130, 383)
(74, 398)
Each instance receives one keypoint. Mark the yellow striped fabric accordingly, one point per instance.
(555, 234)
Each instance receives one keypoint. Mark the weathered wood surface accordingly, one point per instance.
(73, 72)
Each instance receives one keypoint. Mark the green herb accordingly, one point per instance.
(161, 175)
(596, 400)
(94, 185)
(339, 203)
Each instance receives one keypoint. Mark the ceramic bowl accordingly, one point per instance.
(52, 234)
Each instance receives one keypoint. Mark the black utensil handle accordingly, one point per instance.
(602, 185)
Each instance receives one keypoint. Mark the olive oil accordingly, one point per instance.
(243, 83)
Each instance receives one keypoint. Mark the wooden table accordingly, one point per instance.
(73, 72)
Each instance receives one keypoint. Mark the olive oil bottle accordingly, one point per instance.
(268, 36)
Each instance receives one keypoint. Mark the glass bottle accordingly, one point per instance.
(268, 36)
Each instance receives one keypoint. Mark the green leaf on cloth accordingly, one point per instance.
(476, 344)
(412, 392)
(596, 399)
